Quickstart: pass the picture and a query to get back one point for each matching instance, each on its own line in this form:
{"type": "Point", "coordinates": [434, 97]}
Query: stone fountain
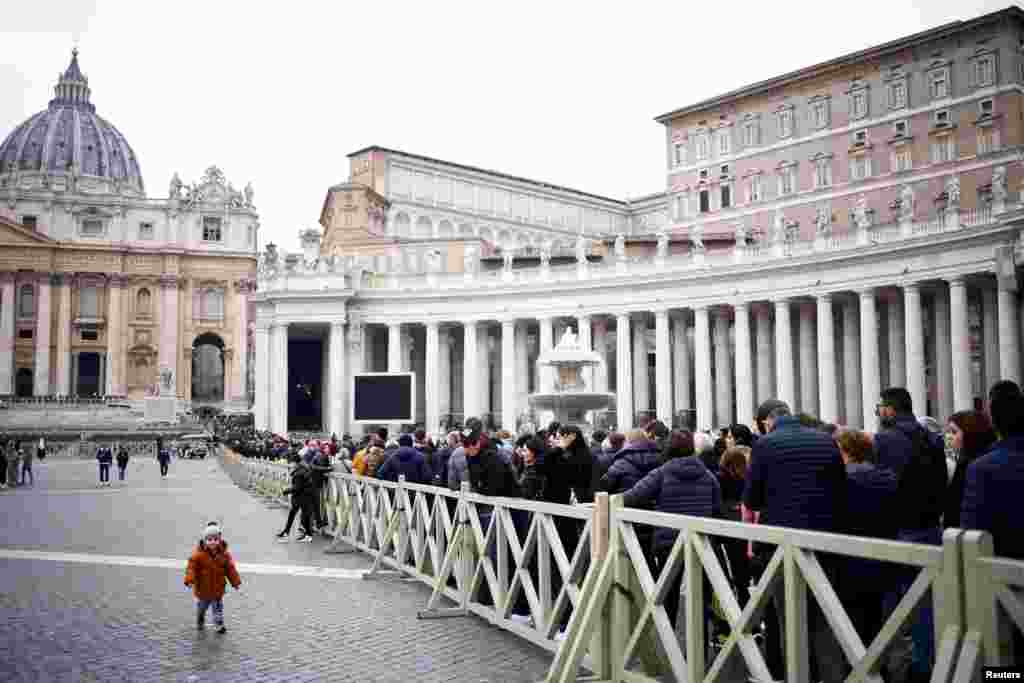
{"type": "Point", "coordinates": [570, 400]}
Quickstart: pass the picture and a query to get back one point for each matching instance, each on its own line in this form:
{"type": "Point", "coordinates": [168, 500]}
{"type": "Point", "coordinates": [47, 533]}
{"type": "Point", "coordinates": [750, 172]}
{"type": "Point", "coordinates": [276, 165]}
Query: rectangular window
{"type": "Point", "coordinates": [859, 105]}
{"type": "Point", "coordinates": [145, 231]}
{"type": "Point", "coordinates": [860, 167]}
{"type": "Point", "coordinates": [29, 222]}
{"type": "Point", "coordinates": [983, 71]}
{"type": "Point", "coordinates": [943, 150]}
{"type": "Point", "coordinates": [92, 227]}
{"type": "Point", "coordinates": [988, 141]}
{"type": "Point", "coordinates": [787, 181]}
{"type": "Point", "coordinates": [938, 84]}
{"type": "Point", "coordinates": [211, 229]}
{"type": "Point", "coordinates": [89, 335]}
{"type": "Point", "coordinates": [986, 108]}
{"type": "Point", "coordinates": [822, 173]}
{"type": "Point", "coordinates": [755, 192]}
{"type": "Point", "coordinates": [901, 129]}
{"type": "Point", "coordinates": [819, 114]}
{"type": "Point", "coordinates": [750, 134]}
{"type": "Point", "coordinates": [785, 123]}
{"type": "Point", "coordinates": [724, 171]}
{"type": "Point", "coordinates": [860, 138]}
{"type": "Point", "coordinates": [726, 196]}
{"type": "Point", "coordinates": [679, 154]}
{"type": "Point", "coordinates": [898, 95]}
{"type": "Point", "coordinates": [705, 201]}
{"type": "Point", "coordinates": [704, 173]}
{"type": "Point", "coordinates": [702, 147]}
{"type": "Point", "coordinates": [24, 334]}
{"type": "Point", "coordinates": [724, 142]}
{"type": "Point", "coordinates": [89, 302]}
{"type": "Point", "coordinates": [941, 118]}
{"type": "Point", "coordinates": [902, 159]}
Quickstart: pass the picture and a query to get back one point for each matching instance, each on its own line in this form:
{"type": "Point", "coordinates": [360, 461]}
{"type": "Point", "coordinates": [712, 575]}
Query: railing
{"type": "Point", "coordinates": [525, 554]}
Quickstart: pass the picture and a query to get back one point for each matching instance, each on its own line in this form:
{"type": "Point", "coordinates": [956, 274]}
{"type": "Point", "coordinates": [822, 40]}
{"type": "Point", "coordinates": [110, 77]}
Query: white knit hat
{"type": "Point", "coordinates": [211, 530]}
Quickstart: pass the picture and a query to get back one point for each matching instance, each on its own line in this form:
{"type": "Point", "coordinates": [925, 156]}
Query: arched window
{"type": "Point", "coordinates": [213, 304]}
{"type": "Point", "coordinates": [89, 303]}
{"type": "Point", "coordinates": [27, 302]}
{"type": "Point", "coordinates": [142, 375]}
{"type": "Point", "coordinates": [142, 302]}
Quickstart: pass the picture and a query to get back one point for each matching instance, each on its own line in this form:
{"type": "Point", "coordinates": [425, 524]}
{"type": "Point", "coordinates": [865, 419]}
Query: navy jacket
{"type": "Point", "coordinates": [796, 478]}
{"type": "Point", "coordinates": [104, 455]}
{"type": "Point", "coordinates": [683, 486]}
{"type": "Point", "coordinates": [994, 482]}
{"type": "Point", "coordinates": [630, 465]}
{"type": "Point", "coordinates": [922, 482]}
{"type": "Point", "coordinates": [872, 505]}
{"type": "Point", "coordinates": [408, 461]}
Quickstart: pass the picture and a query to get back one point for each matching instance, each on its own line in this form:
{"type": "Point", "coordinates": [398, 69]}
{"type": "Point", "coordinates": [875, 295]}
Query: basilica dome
{"type": "Point", "coordinates": [68, 137]}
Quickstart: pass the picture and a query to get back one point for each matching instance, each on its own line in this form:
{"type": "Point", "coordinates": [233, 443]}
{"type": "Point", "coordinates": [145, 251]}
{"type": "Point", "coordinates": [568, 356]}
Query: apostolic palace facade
{"type": "Point", "coordinates": [103, 288]}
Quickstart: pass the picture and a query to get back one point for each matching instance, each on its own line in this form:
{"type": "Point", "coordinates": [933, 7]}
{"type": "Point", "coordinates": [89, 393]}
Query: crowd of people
{"type": "Point", "coordinates": [16, 459]}
{"type": "Point", "coordinates": [907, 481]}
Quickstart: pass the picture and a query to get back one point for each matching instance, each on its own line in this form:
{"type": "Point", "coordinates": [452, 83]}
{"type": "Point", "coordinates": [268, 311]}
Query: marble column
{"type": "Point", "coordinates": [702, 367]}
{"type": "Point", "coordinates": [765, 371]}
{"type": "Point", "coordinates": [744, 365]}
{"type": "Point", "coordinates": [243, 288]}
{"type": "Point", "coordinates": [431, 375]}
{"type": "Point", "coordinates": [784, 354]}
{"type": "Point", "coordinates": [990, 339]}
{"type": "Point", "coordinates": [522, 343]}
{"type": "Point", "coordinates": [624, 373]}
{"type": "Point", "coordinates": [897, 341]}
{"type": "Point", "coordinates": [829, 411]}
{"type": "Point", "coordinates": [641, 382]}
{"type": "Point", "coordinates": [662, 367]}
{"type": "Point", "coordinates": [851, 365]}
{"type": "Point", "coordinates": [545, 373]}
{"type": "Point", "coordinates": [355, 343]}
{"type": "Point", "coordinates": [41, 385]}
{"type": "Point", "coordinates": [169, 326]}
{"type": "Point", "coordinates": [63, 375]}
{"type": "Point", "coordinates": [484, 367]}
{"type": "Point", "coordinates": [808, 361]}
{"type": "Point", "coordinates": [914, 338]}
{"type": "Point", "coordinates": [8, 304]}
{"type": "Point", "coordinates": [116, 382]}
{"type": "Point", "coordinates": [337, 417]}
{"type": "Point", "coordinates": [682, 375]}
{"type": "Point", "coordinates": [600, 342]}
{"type": "Point", "coordinates": [509, 409]}
{"type": "Point", "coordinates": [963, 393]}
{"type": "Point", "coordinates": [1009, 337]}
{"type": "Point", "coordinates": [444, 373]}
{"type": "Point", "coordinates": [261, 404]}
{"type": "Point", "coordinates": [870, 380]}
{"type": "Point", "coordinates": [279, 389]}
{"type": "Point", "coordinates": [470, 371]}
{"type": "Point", "coordinates": [397, 356]}
{"type": "Point", "coordinates": [723, 370]}
{"type": "Point", "coordinates": [943, 357]}
{"type": "Point", "coordinates": [585, 332]}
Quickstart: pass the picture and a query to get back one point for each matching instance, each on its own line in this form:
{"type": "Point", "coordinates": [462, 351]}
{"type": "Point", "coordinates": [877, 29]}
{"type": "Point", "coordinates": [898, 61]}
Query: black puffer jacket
{"type": "Point", "coordinates": [683, 486]}
{"type": "Point", "coordinates": [489, 475]}
{"type": "Point", "coordinates": [631, 464]}
{"type": "Point", "coordinates": [567, 473]}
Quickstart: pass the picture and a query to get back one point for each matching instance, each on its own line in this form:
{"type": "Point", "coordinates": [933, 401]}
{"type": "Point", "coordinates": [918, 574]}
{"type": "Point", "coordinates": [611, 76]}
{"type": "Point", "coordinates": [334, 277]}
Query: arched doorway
{"type": "Point", "coordinates": [23, 383]}
{"type": "Point", "coordinates": [208, 368]}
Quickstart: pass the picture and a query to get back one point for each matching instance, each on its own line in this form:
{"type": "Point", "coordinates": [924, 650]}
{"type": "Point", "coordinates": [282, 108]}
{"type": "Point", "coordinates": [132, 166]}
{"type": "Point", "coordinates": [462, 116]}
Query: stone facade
{"type": "Point", "coordinates": [102, 286]}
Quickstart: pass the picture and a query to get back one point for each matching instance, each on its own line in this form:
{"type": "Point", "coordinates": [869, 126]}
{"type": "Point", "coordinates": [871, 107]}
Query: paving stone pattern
{"type": "Point", "coordinates": [92, 622]}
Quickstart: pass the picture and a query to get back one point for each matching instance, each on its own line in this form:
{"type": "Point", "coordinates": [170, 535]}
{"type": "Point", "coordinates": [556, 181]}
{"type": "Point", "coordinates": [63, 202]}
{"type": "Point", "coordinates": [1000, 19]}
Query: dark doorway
{"type": "Point", "coordinates": [88, 374]}
{"type": "Point", "coordinates": [23, 383]}
{"type": "Point", "coordinates": [305, 374]}
{"type": "Point", "coordinates": [208, 368]}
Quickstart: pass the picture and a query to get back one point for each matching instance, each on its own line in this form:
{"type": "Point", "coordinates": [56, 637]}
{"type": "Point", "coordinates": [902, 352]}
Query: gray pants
{"type": "Point", "coordinates": [218, 611]}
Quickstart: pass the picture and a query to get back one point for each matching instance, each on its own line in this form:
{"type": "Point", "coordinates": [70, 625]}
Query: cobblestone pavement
{"type": "Point", "coordinates": [109, 621]}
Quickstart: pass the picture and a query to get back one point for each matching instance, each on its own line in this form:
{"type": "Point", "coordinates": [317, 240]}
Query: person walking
{"type": "Point", "coordinates": [210, 568]}
{"type": "Point", "coordinates": [25, 475]}
{"type": "Point", "coordinates": [122, 462]}
{"type": "Point", "coordinates": [163, 456]}
{"type": "Point", "coordinates": [13, 463]}
{"type": "Point", "coordinates": [104, 456]}
{"type": "Point", "coordinates": [301, 491]}
{"type": "Point", "coordinates": [321, 469]}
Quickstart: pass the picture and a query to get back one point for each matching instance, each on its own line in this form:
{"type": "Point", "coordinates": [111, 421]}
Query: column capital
{"type": "Point", "coordinates": [825, 297]}
{"type": "Point", "coordinates": [432, 324]}
{"type": "Point", "coordinates": [957, 281]}
{"type": "Point", "coordinates": [117, 281]}
{"type": "Point", "coordinates": [506, 323]}
{"type": "Point", "coordinates": [6, 277]}
{"type": "Point", "coordinates": [338, 325]}
{"type": "Point", "coordinates": [169, 281]}
{"type": "Point", "coordinates": [661, 312]}
{"type": "Point", "coordinates": [58, 279]}
{"type": "Point", "coordinates": [866, 292]}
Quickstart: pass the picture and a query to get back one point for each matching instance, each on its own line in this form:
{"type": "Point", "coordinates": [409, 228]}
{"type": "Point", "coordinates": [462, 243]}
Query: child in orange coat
{"type": "Point", "coordinates": [209, 569]}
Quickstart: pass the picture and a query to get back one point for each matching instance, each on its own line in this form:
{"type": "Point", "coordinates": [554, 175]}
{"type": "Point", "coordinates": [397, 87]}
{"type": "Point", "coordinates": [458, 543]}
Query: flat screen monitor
{"type": "Point", "coordinates": [382, 397]}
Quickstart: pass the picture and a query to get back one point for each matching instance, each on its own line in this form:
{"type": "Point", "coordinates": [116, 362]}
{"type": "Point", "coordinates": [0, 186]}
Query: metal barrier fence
{"type": "Point", "coordinates": [583, 567]}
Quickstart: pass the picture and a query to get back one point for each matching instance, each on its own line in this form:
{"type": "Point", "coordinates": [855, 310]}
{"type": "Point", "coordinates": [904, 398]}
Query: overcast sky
{"type": "Point", "coordinates": [279, 93]}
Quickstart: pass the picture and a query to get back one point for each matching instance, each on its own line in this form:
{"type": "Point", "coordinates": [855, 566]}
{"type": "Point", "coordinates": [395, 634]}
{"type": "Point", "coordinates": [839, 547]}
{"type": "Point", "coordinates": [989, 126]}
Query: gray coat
{"type": "Point", "coordinates": [458, 470]}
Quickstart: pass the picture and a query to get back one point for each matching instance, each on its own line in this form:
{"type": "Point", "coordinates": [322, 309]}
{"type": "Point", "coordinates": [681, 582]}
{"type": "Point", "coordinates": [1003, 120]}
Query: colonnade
{"type": "Point", "coordinates": [825, 353]}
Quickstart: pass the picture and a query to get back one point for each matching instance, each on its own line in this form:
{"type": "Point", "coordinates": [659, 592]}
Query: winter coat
{"type": "Point", "coordinates": [872, 511]}
{"type": "Point", "coordinates": [457, 469]}
{"type": "Point", "coordinates": [569, 473]}
{"type": "Point", "coordinates": [208, 572]}
{"type": "Point", "coordinates": [955, 490]}
{"type": "Point", "coordinates": [796, 478]}
{"type": "Point", "coordinates": [994, 482]}
{"type": "Point", "coordinates": [374, 462]}
{"type": "Point", "coordinates": [409, 462]}
{"type": "Point", "coordinates": [532, 482]}
{"type": "Point", "coordinates": [104, 455]}
{"type": "Point", "coordinates": [301, 483]}
{"type": "Point", "coordinates": [122, 458]}
{"type": "Point", "coordinates": [922, 476]}
{"type": "Point", "coordinates": [490, 475]}
{"type": "Point", "coordinates": [631, 464]}
{"type": "Point", "coordinates": [359, 463]}
{"type": "Point", "coordinates": [682, 486]}
{"type": "Point", "coordinates": [320, 467]}
{"type": "Point", "coordinates": [732, 495]}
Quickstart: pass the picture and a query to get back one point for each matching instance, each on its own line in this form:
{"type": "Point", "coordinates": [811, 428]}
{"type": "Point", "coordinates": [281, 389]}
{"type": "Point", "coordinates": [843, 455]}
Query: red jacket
{"type": "Point", "coordinates": [208, 572]}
